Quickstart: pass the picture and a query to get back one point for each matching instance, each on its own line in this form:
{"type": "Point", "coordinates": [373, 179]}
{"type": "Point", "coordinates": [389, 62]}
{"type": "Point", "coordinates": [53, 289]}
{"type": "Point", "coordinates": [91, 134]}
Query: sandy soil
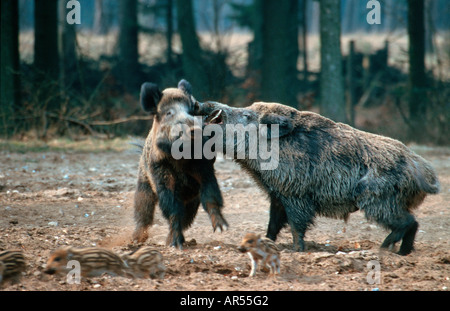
{"type": "Point", "coordinates": [54, 198]}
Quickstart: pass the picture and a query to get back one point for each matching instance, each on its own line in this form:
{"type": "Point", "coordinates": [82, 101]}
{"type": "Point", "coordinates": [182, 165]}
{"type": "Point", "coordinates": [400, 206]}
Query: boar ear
{"type": "Point", "coordinates": [197, 106]}
{"type": "Point", "coordinates": [285, 125]}
{"type": "Point", "coordinates": [150, 97]}
{"type": "Point", "coordinates": [185, 86]}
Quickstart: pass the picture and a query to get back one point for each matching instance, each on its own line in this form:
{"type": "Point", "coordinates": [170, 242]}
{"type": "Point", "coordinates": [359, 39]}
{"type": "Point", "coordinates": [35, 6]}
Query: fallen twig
{"type": "Point", "coordinates": [123, 120]}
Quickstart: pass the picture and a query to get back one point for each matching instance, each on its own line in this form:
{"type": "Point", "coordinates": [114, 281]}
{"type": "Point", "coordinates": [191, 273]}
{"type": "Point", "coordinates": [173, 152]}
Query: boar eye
{"type": "Point", "coordinates": [169, 113]}
{"type": "Point", "coordinates": [250, 241]}
{"type": "Point", "coordinates": [57, 259]}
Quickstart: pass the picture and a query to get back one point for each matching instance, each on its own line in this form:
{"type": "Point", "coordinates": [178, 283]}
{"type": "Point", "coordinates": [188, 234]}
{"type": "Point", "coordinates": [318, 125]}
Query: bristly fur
{"type": "Point", "coordinates": [261, 249]}
{"type": "Point", "coordinates": [93, 261]}
{"type": "Point", "coordinates": [177, 186]}
{"type": "Point", "coordinates": [331, 169]}
{"type": "Point", "coordinates": [145, 262]}
{"type": "Point", "coordinates": [12, 264]}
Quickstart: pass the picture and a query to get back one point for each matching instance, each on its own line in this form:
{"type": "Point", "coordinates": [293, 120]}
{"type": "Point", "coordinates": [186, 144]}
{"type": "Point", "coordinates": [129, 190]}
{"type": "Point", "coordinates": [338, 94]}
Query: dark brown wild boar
{"type": "Point", "coordinates": [178, 185]}
{"type": "Point", "coordinates": [327, 169]}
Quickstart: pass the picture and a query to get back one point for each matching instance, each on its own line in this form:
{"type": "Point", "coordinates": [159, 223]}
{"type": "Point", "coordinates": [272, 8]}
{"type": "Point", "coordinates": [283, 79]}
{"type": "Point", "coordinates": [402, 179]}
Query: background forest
{"type": "Point", "coordinates": [81, 80]}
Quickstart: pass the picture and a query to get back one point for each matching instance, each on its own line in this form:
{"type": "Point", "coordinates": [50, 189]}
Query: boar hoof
{"type": "Point", "coordinates": [175, 240]}
{"type": "Point", "coordinates": [218, 222]}
{"type": "Point", "coordinates": [140, 236]}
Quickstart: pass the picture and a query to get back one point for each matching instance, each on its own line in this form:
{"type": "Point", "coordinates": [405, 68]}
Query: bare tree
{"type": "Point", "coordinates": [417, 75]}
{"type": "Point", "coordinates": [304, 40]}
{"type": "Point", "coordinates": [169, 31]}
{"type": "Point", "coordinates": [127, 43]}
{"type": "Point", "coordinates": [102, 18]}
{"type": "Point", "coordinates": [46, 56]}
{"type": "Point", "coordinates": [332, 96]}
{"type": "Point", "coordinates": [194, 67]}
{"type": "Point", "coordinates": [279, 51]}
{"type": "Point", "coordinates": [10, 82]}
{"type": "Point", "coordinates": [67, 49]}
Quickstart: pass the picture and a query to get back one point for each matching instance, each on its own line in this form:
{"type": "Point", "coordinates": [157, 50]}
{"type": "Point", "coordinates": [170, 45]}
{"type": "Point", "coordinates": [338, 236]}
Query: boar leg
{"type": "Point", "coordinates": [408, 239]}
{"type": "Point", "coordinates": [190, 212]}
{"type": "Point", "coordinates": [144, 208]}
{"type": "Point", "coordinates": [403, 228]}
{"type": "Point", "coordinates": [176, 237]}
{"type": "Point", "coordinates": [211, 197]}
{"type": "Point", "coordinates": [212, 201]}
{"type": "Point", "coordinates": [277, 220]}
{"type": "Point", "coordinates": [300, 215]}
{"type": "Point", "coordinates": [174, 211]}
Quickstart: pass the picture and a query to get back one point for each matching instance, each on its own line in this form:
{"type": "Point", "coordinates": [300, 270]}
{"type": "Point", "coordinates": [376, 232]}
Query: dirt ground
{"type": "Point", "coordinates": [53, 198]}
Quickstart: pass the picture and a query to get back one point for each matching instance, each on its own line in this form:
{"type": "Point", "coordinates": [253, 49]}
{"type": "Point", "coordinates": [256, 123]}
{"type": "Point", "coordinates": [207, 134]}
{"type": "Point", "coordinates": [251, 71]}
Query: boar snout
{"type": "Point", "coordinates": [50, 271]}
{"type": "Point", "coordinates": [242, 249]}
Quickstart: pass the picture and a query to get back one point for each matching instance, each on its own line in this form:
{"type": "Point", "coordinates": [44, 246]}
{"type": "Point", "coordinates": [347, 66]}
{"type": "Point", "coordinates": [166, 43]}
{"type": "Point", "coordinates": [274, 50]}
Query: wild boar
{"type": "Point", "coordinates": [145, 262]}
{"type": "Point", "coordinates": [261, 249]}
{"type": "Point", "coordinates": [93, 261]}
{"type": "Point", "coordinates": [327, 169]}
{"type": "Point", "coordinates": [12, 264]}
{"type": "Point", "coordinates": [178, 185]}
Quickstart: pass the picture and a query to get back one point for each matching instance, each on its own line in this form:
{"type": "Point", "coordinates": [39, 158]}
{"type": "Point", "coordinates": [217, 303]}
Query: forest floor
{"type": "Point", "coordinates": [82, 195]}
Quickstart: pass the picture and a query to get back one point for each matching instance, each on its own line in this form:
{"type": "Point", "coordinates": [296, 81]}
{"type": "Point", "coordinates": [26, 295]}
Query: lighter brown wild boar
{"type": "Point", "coordinates": [12, 264]}
{"type": "Point", "coordinates": [145, 262]}
{"type": "Point", "coordinates": [328, 169]}
{"type": "Point", "coordinates": [93, 261]}
{"type": "Point", "coordinates": [261, 249]}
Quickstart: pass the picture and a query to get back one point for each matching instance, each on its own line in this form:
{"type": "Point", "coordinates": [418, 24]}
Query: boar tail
{"type": "Point", "coordinates": [426, 178]}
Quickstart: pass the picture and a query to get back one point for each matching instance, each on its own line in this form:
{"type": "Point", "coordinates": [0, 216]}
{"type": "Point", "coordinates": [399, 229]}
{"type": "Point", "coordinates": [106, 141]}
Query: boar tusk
{"type": "Point", "coordinates": [216, 116]}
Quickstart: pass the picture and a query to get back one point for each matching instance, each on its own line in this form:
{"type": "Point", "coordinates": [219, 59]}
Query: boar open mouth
{"type": "Point", "coordinates": [216, 117]}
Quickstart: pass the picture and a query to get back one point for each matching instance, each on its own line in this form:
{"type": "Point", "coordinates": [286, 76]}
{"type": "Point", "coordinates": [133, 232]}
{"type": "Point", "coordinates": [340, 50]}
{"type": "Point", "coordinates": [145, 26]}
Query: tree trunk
{"type": "Point", "coordinates": [417, 75]}
{"type": "Point", "coordinates": [169, 32]}
{"type": "Point", "coordinates": [10, 83]}
{"type": "Point", "coordinates": [280, 51]}
{"type": "Point", "coordinates": [304, 42]}
{"type": "Point", "coordinates": [101, 18]}
{"type": "Point", "coordinates": [255, 48]}
{"type": "Point", "coordinates": [194, 69]}
{"type": "Point", "coordinates": [332, 96]}
{"type": "Point", "coordinates": [127, 45]}
{"type": "Point", "coordinates": [46, 56]}
{"type": "Point", "coordinates": [67, 49]}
